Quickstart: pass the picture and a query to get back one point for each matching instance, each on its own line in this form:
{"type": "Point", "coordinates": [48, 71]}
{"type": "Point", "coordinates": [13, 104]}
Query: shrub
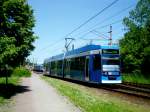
{"type": "Point", "coordinates": [21, 72]}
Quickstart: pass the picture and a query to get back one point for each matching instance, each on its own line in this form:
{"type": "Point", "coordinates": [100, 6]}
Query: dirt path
{"type": "Point", "coordinates": [41, 97]}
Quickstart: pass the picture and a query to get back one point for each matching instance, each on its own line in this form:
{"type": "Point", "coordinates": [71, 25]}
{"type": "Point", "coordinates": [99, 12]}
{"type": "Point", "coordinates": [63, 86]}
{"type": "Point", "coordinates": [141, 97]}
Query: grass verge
{"type": "Point", "coordinates": [12, 81]}
{"type": "Point", "coordinates": [136, 78]}
{"type": "Point", "coordinates": [88, 101]}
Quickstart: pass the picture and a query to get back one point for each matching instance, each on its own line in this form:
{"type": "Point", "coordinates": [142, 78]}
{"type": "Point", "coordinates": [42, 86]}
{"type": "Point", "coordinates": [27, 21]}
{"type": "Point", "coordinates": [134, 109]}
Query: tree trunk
{"type": "Point", "coordinates": [6, 74]}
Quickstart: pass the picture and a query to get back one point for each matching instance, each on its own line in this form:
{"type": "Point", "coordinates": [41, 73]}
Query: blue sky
{"type": "Point", "coordinates": [56, 18]}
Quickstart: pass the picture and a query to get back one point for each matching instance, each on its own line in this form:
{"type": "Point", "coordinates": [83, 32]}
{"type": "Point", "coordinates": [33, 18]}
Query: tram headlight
{"type": "Point", "coordinates": [110, 73]}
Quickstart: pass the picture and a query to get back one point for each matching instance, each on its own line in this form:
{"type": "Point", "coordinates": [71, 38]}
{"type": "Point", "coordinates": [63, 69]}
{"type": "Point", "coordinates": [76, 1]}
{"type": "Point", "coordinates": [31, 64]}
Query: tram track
{"type": "Point", "coordinates": [124, 89]}
{"type": "Point", "coordinates": [136, 88]}
{"type": "Point", "coordinates": [146, 86]}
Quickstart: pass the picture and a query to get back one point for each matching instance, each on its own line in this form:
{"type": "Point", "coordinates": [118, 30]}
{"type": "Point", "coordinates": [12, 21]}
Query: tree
{"type": "Point", "coordinates": [16, 35]}
{"type": "Point", "coordinates": [135, 46]}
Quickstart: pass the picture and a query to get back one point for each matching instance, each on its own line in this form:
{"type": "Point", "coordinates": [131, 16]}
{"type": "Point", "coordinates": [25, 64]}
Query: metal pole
{"type": "Point", "coordinates": [110, 35]}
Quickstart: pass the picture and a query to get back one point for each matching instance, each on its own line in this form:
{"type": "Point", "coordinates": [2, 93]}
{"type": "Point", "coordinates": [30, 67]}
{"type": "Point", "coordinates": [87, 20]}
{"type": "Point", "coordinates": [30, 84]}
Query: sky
{"type": "Point", "coordinates": [56, 18]}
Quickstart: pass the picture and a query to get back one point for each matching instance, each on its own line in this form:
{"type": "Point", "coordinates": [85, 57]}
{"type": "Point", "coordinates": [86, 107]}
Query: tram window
{"type": "Point", "coordinates": [59, 65]}
{"type": "Point", "coordinates": [77, 63]}
{"type": "Point", "coordinates": [81, 63]}
{"type": "Point", "coordinates": [48, 66]}
{"type": "Point", "coordinates": [67, 64]}
{"type": "Point", "coordinates": [111, 62]}
{"type": "Point", "coordinates": [52, 65]}
{"type": "Point", "coordinates": [97, 62]}
{"type": "Point", "coordinates": [74, 64]}
{"type": "Point", "coordinates": [55, 64]}
{"type": "Point", "coordinates": [55, 67]}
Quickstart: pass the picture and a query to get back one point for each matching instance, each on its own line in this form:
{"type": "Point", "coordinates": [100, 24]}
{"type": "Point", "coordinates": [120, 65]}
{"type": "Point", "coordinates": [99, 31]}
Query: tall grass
{"type": "Point", "coordinates": [136, 78]}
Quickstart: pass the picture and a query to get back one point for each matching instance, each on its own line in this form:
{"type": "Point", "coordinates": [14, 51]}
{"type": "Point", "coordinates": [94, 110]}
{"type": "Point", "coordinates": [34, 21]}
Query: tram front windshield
{"type": "Point", "coordinates": [110, 57]}
{"type": "Point", "coordinates": [110, 60]}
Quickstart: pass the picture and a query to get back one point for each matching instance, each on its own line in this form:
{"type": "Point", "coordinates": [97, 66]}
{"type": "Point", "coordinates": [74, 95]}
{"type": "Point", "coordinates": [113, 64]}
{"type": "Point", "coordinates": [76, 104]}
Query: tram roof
{"type": "Point", "coordinates": [81, 50]}
{"type": "Point", "coordinates": [90, 48]}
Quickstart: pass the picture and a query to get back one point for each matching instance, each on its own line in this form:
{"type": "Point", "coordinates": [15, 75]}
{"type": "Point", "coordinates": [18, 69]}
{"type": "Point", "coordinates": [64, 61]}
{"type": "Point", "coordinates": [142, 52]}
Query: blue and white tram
{"type": "Point", "coordinates": [91, 63]}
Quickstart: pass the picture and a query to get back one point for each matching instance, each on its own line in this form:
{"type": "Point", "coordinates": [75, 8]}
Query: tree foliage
{"type": "Point", "coordinates": [16, 35]}
{"type": "Point", "coordinates": [135, 46]}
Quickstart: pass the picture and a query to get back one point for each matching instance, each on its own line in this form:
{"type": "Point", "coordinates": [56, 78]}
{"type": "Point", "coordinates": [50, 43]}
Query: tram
{"type": "Point", "coordinates": [91, 63]}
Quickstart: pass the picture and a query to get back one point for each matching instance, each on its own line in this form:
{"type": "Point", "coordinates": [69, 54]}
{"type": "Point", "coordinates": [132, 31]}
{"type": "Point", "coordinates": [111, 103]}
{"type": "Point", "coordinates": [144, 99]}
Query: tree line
{"type": "Point", "coordinates": [135, 45]}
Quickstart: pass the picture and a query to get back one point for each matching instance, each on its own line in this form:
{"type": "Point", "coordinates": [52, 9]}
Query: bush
{"type": "Point", "coordinates": [136, 78]}
{"type": "Point", "coordinates": [21, 72]}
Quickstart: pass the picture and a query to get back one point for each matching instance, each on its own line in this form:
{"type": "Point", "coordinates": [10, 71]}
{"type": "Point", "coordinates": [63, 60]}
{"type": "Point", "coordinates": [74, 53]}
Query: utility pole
{"type": "Point", "coordinates": [68, 42]}
{"type": "Point", "coordinates": [110, 38]}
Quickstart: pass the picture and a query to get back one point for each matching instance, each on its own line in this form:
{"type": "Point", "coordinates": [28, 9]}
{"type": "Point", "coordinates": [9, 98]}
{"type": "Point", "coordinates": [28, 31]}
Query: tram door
{"type": "Point", "coordinates": [87, 68]}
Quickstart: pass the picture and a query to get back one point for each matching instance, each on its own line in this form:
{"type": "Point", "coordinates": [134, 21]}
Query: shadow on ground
{"type": "Point", "coordinates": [11, 90]}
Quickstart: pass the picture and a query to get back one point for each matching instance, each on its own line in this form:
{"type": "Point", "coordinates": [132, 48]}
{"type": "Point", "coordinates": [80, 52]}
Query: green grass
{"type": "Point", "coordinates": [2, 101]}
{"type": "Point", "coordinates": [136, 78]}
{"type": "Point", "coordinates": [12, 80]}
{"type": "Point", "coordinates": [90, 102]}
